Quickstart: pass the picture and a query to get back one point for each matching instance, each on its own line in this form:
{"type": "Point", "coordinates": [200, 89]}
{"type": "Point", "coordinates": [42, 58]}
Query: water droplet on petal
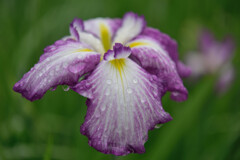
{"type": "Point", "coordinates": [66, 88]}
{"type": "Point", "coordinates": [158, 126]}
{"type": "Point", "coordinates": [107, 92]}
{"type": "Point", "coordinates": [175, 94]}
{"type": "Point", "coordinates": [135, 81]}
{"type": "Point", "coordinates": [97, 114]}
{"type": "Point", "coordinates": [129, 90]}
{"type": "Point", "coordinates": [65, 65]}
{"type": "Point", "coordinates": [155, 92]}
{"type": "Point", "coordinates": [109, 81]}
{"type": "Point", "coordinates": [142, 100]}
{"type": "Point", "coordinates": [126, 127]}
{"type": "Point", "coordinates": [103, 108]}
{"type": "Point", "coordinates": [57, 68]}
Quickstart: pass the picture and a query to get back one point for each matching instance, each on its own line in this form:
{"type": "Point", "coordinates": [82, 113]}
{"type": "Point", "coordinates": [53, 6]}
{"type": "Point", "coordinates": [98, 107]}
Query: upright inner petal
{"type": "Point", "coordinates": [105, 36]}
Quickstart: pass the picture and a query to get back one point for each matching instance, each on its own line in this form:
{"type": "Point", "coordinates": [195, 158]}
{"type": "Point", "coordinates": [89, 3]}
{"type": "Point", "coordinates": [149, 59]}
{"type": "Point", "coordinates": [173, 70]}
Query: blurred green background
{"type": "Point", "coordinates": [206, 126]}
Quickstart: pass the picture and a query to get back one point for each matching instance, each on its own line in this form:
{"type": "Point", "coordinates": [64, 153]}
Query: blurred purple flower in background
{"type": "Point", "coordinates": [213, 57]}
{"type": "Point", "coordinates": [127, 68]}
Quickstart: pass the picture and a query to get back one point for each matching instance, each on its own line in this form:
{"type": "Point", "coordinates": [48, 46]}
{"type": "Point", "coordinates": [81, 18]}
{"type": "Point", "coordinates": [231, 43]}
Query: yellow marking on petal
{"type": "Point", "coordinates": [105, 36]}
{"type": "Point", "coordinates": [135, 44]}
{"type": "Point", "coordinates": [84, 50]}
{"type": "Point", "coordinates": [118, 64]}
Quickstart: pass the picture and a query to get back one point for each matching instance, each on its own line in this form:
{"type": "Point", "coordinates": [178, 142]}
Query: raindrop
{"type": "Point", "coordinates": [64, 65]}
{"type": "Point", "coordinates": [155, 92]}
{"type": "Point", "coordinates": [97, 114]}
{"type": "Point", "coordinates": [175, 94]}
{"type": "Point", "coordinates": [57, 68]}
{"type": "Point", "coordinates": [135, 81]}
{"type": "Point", "coordinates": [109, 81]}
{"type": "Point", "coordinates": [129, 90]}
{"type": "Point", "coordinates": [66, 88]}
{"type": "Point", "coordinates": [158, 126]}
{"type": "Point", "coordinates": [79, 57]}
{"type": "Point", "coordinates": [142, 100]}
{"type": "Point", "coordinates": [107, 92]}
{"type": "Point", "coordinates": [126, 127]}
{"type": "Point", "coordinates": [103, 108]}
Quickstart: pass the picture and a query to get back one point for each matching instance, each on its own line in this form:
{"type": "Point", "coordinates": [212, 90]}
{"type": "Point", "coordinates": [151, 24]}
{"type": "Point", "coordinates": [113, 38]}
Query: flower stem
{"type": "Point", "coordinates": [183, 119]}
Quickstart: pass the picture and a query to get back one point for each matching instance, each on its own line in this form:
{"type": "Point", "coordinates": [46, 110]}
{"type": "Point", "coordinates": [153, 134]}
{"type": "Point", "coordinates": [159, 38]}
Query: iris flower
{"type": "Point", "coordinates": [123, 68]}
{"type": "Point", "coordinates": [213, 57]}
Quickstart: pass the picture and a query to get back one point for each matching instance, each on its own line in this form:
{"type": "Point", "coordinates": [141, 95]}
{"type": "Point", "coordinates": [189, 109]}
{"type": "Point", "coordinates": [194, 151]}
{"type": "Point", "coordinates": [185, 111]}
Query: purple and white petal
{"type": "Point", "coordinates": [99, 25]}
{"type": "Point", "coordinates": [152, 57]}
{"type": "Point", "coordinates": [79, 34]}
{"type": "Point", "coordinates": [109, 55]}
{"type": "Point", "coordinates": [183, 70]}
{"type": "Point", "coordinates": [132, 25]}
{"type": "Point", "coordinates": [124, 103]}
{"type": "Point", "coordinates": [75, 27]}
{"type": "Point", "coordinates": [104, 29]}
{"type": "Point", "coordinates": [62, 63]}
{"type": "Point", "coordinates": [94, 43]}
{"type": "Point", "coordinates": [206, 41]}
{"type": "Point", "coordinates": [170, 46]}
{"type": "Point", "coordinates": [197, 63]}
{"type": "Point", "coordinates": [121, 51]}
{"type": "Point", "coordinates": [228, 47]}
{"type": "Point", "coordinates": [225, 80]}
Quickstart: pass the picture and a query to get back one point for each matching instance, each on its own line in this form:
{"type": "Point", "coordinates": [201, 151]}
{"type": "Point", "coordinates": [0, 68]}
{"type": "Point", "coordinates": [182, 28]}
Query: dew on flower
{"type": "Point", "coordinates": [65, 88]}
{"type": "Point", "coordinates": [107, 93]}
{"type": "Point", "coordinates": [109, 81]}
{"type": "Point", "coordinates": [129, 90]}
{"type": "Point", "coordinates": [103, 108]}
{"type": "Point", "coordinates": [135, 81]}
{"type": "Point", "coordinates": [112, 63]}
{"type": "Point", "coordinates": [158, 126]}
{"type": "Point", "coordinates": [143, 100]}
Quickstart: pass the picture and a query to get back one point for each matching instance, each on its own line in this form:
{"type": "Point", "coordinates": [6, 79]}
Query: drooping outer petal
{"type": "Point", "coordinates": [156, 60]}
{"type": "Point", "coordinates": [124, 103]}
{"type": "Point", "coordinates": [170, 46]}
{"type": "Point", "coordinates": [62, 63]}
